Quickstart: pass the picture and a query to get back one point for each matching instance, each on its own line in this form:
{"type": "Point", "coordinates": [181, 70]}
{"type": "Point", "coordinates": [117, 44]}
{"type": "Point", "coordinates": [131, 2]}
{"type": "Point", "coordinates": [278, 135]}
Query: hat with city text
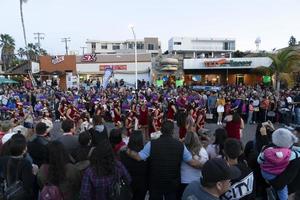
{"type": "Point", "coordinates": [218, 169]}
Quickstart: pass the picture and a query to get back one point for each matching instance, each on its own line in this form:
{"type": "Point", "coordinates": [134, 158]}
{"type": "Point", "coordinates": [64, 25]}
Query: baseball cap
{"type": "Point", "coordinates": [217, 169]}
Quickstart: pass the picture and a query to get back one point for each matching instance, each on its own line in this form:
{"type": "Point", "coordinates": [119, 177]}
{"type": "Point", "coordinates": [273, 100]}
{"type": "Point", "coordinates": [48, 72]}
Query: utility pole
{"type": "Point", "coordinates": [83, 50]}
{"type": "Point", "coordinates": [66, 40]}
{"type": "Point", "coordinates": [39, 36]}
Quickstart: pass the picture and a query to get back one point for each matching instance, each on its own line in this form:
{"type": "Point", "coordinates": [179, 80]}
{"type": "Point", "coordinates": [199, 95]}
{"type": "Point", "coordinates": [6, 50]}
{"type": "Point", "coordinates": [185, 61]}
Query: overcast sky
{"type": "Point", "coordinates": [272, 20]}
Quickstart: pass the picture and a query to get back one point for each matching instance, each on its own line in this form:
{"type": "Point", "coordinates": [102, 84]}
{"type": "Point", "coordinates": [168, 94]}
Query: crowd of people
{"type": "Point", "coordinates": [144, 155]}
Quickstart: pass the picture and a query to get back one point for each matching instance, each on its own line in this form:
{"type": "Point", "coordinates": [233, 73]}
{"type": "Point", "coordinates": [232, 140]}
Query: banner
{"type": "Point", "coordinates": [159, 83]}
{"type": "Point", "coordinates": [179, 83]}
{"type": "Point", "coordinates": [113, 67]}
{"type": "Point", "coordinates": [106, 77]}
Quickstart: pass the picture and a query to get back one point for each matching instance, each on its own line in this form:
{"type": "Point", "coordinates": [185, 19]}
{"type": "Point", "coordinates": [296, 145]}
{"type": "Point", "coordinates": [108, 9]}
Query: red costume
{"type": "Point", "coordinates": [170, 113]}
{"type": "Point", "coordinates": [143, 118]}
{"type": "Point", "coordinates": [117, 118]}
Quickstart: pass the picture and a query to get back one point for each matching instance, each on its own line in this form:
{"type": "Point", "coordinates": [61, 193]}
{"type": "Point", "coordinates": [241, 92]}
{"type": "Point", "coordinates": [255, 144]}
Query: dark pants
{"type": "Point", "coordinates": [159, 195]}
{"type": "Point", "coordinates": [181, 190]}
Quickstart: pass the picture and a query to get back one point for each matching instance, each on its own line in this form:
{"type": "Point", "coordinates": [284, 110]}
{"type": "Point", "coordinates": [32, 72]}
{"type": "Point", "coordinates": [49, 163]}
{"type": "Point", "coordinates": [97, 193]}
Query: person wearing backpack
{"type": "Point", "coordinates": [16, 171]}
{"type": "Point", "coordinates": [59, 176]}
{"type": "Point", "coordinates": [99, 179]}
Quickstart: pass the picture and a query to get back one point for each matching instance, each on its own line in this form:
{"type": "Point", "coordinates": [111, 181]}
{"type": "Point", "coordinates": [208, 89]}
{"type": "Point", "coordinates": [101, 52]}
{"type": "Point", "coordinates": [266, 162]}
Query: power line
{"type": "Point", "coordinates": [66, 40]}
{"type": "Point", "coordinates": [83, 49]}
{"type": "Point", "coordinates": [39, 37]}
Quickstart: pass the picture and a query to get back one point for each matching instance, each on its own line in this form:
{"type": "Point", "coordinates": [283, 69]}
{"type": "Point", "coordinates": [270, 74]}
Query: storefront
{"type": "Point", "coordinates": [224, 70]}
{"type": "Point", "coordinates": [92, 67]}
{"type": "Point", "coordinates": [59, 70]}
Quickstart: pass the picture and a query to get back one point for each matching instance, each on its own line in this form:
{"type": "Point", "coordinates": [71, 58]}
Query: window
{"type": "Point", "coordinates": [140, 46]}
{"type": "Point", "coordinates": [93, 45]}
{"type": "Point", "coordinates": [150, 46]}
{"type": "Point", "coordinates": [130, 46]}
{"type": "Point", "coordinates": [177, 43]}
{"type": "Point", "coordinates": [116, 47]}
{"type": "Point", "coordinates": [104, 46]}
{"type": "Point", "coordinates": [226, 46]}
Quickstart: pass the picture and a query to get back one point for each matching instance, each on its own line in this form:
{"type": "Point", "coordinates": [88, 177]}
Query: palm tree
{"type": "Point", "coordinates": [21, 52]}
{"type": "Point", "coordinates": [284, 62]}
{"type": "Point", "coordinates": [7, 43]}
{"type": "Point", "coordinates": [22, 20]}
{"type": "Point", "coordinates": [32, 51]}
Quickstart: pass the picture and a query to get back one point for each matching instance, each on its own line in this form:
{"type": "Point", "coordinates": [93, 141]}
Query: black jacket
{"type": "Point", "coordinates": [38, 150]}
{"type": "Point", "coordinates": [166, 154]}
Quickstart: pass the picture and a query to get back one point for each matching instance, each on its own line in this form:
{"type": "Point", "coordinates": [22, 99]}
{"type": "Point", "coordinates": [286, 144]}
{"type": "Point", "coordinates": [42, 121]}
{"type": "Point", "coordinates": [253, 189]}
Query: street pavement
{"type": "Point", "coordinates": [248, 132]}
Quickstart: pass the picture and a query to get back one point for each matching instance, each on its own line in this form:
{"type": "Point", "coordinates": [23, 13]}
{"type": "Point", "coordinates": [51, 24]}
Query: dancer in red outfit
{"type": "Point", "coordinates": [171, 111]}
{"type": "Point", "coordinates": [143, 120]}
{"type": "Point", "coordinates": [117, 114]}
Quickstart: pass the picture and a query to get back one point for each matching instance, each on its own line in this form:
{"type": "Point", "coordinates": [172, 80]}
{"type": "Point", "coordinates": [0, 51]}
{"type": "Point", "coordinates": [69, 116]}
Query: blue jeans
{"type": "Point", "coordinates": [297, 116]}
{"type": "Point", "coordinates": [283, 193]}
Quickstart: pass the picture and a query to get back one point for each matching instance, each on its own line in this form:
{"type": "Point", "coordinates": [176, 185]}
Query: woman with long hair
{"type": "Point", "coordinates": [137, 169]}
{"type": "Point", "coordinates": [193, 144]}
{"type": "Point", "coordinates": [234, 126]}
{"type": "Point", "coordinates": [101, 175]}
{"type": "Point", "coordinates": [215, 149]}
{"type": "Point", "coordinates": [60, 172]}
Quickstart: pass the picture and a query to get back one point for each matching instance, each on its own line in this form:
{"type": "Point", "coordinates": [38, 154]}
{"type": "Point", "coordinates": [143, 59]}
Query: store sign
{"type": "Point", "coordinates": [225, 62]}
{"type": "Point", "coordinates": [113, 67]}
{"type": "Point", "coordinates": [89, 58]}
{"type": "Point", "coordinates": [57, 59]}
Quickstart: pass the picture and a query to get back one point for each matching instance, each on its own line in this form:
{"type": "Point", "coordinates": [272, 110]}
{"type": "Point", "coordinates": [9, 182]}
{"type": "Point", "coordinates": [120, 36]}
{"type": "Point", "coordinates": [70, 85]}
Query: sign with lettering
{"type": "Point", "coordinates": [225, 62]}
{"type": "Point", "coordinates": [89, 58]}
{"type": "Point", "coordinates": [113, 67]}
{"type": "Point", "coordinates": [57, 59]}
{"type": "Point", "coordinates": [240, 189]}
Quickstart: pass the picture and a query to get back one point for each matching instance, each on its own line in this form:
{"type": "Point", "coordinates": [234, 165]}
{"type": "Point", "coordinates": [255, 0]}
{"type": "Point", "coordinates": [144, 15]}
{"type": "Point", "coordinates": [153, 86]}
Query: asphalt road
{"type": "Point", "coordinates": [248, 132]}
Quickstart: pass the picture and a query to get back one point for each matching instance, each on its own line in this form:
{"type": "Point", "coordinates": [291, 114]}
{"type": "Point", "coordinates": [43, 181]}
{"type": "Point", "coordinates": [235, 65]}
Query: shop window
{"type": "Point", "coordinates": [140, 46]}
{"type": "Point", "coordinates": [93, 45]}
{"type": "Point", "coordinates": [104, 46]}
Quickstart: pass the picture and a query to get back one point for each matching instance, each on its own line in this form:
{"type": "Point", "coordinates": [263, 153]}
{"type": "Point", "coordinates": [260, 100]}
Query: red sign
{"type": "Point", "coordinates": [89, 58]}
{"type": "Point", "coordinates": [113, 67]}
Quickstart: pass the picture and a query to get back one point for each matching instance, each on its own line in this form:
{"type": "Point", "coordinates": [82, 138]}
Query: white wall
{"type": "Point", "coordinates": [198, 44]}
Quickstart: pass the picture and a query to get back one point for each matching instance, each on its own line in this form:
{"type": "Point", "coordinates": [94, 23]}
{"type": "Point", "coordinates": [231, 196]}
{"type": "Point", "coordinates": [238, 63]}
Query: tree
{"type": "Point", "coordinates": [32, 51]}
{"type": "Point", "coordinates": [292, 41]}
{"type": "Point", "coordinates": [22, 20]}
{"type": "Point", "coordinates": [7, 43]}
{"type": "Point", "coordinates": [21, 52]}
{"type": "Point", "coordinates": [285, 61]}
{"type": "Point", "coordinates": [238, 54]}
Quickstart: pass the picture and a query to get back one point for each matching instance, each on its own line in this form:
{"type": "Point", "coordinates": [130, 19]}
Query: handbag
{"type": "Point", "coordinates": [120, 189]}
{"type": "Point", "coordinates": [15, 190]}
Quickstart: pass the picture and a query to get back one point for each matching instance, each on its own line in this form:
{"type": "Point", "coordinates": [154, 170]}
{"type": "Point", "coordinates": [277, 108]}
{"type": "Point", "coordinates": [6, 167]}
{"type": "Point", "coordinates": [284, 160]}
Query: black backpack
{"type": "Point", "coordinates": [12, 190]}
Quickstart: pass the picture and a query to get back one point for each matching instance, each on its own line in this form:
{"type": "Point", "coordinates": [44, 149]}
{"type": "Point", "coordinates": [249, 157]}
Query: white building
{"type": "Point", "coordinates": [123, 67]}
{"type": "Point", "coordinates": [202, 47]}
{"type": "Point", "coordinates": [147, 45]}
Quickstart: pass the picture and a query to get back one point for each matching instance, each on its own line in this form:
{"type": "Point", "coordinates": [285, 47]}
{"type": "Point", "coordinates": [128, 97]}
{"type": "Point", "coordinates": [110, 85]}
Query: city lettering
{"type": "Point", "coordinates": [240, 189]}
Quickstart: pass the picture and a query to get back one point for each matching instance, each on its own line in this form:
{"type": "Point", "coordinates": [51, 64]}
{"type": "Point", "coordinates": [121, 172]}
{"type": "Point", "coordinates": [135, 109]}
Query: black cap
{"type": "Point", "coordinates": [217, 169]}
{"type": "Point", "coordinates": [41, 128]}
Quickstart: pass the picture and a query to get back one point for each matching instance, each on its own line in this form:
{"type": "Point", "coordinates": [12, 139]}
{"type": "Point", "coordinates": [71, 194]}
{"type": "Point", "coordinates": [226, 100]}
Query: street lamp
{"type": "Point", "coordinates": [135, 55]}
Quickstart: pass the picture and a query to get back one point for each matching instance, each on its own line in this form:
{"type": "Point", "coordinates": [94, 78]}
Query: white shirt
{"type": "Point", "coordinates": [213, 151]}
{"type": "Point", "coordinates": [190, 174]}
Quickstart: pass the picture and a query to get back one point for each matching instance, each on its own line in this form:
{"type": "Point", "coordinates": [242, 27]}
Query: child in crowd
{"type": "Point", "coordinates": [275, 158]}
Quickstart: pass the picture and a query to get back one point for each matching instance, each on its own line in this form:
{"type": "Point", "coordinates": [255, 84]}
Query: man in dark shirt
{"type": "Point", "coordinates": [242, 187]}
{"type": "Point", "coordinates": [37, 148]}
{"type": "Point", "coordinates": [215, 181]}
{"type": "Point", "coordinates": [68, 139]}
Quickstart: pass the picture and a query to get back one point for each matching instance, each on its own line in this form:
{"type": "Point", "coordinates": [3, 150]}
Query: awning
{"type": "Point", "coordinates": [169, 68]}
{"type": "Point", "coordinates": [7, 81]}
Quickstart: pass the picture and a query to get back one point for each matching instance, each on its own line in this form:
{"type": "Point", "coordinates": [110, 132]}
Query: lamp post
{"type": "Point", "coordinates": [135, 55]}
